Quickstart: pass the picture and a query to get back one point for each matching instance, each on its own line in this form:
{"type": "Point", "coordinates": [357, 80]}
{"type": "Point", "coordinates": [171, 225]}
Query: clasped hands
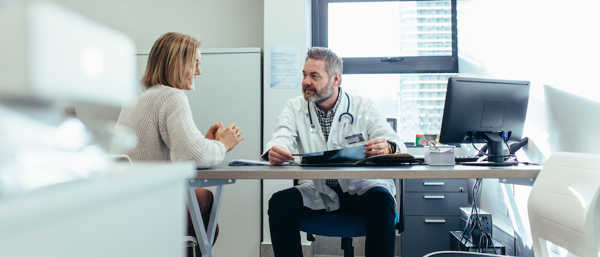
{"type": "Point", "coordinates": [279, 154]}
{"type": "Point", "coordinates": [230, 136]}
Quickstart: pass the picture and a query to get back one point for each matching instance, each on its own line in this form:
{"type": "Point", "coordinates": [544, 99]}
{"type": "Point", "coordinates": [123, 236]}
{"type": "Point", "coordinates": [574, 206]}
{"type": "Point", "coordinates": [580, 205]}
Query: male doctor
{"type": "Point", "coordinates": [327, 118]}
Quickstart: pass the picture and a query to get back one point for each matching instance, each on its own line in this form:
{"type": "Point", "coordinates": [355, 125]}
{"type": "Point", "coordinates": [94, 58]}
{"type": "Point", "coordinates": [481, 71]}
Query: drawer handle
{"type": "Point", "coordinates": [434, 196]}
{"type": "Point", "coordinates": [435, 221]}
{"type": "Point", "coordinates": [433, 183]}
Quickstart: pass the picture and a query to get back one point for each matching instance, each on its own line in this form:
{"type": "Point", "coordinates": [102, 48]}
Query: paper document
{"type": "Point", "coordinates": [243, 162]}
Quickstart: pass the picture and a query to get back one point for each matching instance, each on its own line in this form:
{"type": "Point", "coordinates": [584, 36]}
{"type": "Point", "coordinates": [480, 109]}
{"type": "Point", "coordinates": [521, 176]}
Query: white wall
{"type": "Point", "coordinates": [552, 44]}
{"type": "Point", "coordinates": [214, 100]}
{"type": "Point", "coordinates": [218, 24]}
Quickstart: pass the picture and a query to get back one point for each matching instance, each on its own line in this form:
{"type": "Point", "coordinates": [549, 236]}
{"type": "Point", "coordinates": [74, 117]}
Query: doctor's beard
{"type": "Point", "coordinates": [320, 97]}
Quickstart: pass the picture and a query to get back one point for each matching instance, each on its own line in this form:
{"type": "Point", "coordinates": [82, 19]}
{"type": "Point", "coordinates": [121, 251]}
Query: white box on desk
{"type": "Point", "coordinates": [439, 155]}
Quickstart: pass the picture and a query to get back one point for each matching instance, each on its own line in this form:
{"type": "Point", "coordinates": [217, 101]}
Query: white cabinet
{"type": "Point", "coordinates": [229, 90]}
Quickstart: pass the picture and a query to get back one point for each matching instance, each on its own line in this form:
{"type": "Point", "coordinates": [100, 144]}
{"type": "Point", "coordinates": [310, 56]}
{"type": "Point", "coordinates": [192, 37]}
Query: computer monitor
{"type": "Point", "coordinates": [488, 111]}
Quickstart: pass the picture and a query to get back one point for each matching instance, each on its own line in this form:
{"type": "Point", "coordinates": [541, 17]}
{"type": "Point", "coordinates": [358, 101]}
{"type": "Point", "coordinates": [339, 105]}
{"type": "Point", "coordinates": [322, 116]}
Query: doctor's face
{"type": "Point", "coordinates": [317, 86]}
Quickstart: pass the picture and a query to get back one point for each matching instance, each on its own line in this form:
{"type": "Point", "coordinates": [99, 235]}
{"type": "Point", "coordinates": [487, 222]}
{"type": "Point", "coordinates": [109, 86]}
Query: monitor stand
{"type": "Point", "coordinates": [496, 155]}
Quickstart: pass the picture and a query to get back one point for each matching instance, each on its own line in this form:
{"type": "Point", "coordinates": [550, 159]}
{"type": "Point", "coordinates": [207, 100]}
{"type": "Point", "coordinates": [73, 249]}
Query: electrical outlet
{"type": "Point", "coordinates": [486, 223]}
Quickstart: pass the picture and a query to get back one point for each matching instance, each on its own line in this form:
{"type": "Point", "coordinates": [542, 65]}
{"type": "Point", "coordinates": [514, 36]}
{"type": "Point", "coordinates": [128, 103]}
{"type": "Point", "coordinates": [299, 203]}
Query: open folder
{"type": "Point", "coordinates": [353, 156]}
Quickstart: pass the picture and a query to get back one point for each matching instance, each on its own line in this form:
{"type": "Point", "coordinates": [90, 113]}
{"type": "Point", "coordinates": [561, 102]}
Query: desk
{"type": "Point", "coordinates": [224, 174]}
{"type": "Point", "coordinates": [368, 172]}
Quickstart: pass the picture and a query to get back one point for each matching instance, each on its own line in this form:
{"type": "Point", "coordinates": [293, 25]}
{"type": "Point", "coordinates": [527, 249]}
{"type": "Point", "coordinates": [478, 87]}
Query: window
{"type": "Point", "coordinates": [398, 53]}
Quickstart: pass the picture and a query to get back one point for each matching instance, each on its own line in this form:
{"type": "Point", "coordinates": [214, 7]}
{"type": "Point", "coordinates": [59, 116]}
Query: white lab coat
{"type": "Point", "coordinates": [293, 132]}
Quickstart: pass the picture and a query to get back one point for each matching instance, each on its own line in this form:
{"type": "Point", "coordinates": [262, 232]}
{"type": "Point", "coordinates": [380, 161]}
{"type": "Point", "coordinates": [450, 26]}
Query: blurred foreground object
{"type": "Point", "coordinates": [50, 53]}
{"type": "Point", "coordinates": [52, 58]}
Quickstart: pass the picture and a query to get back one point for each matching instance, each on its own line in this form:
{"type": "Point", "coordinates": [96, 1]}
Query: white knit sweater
{"type": "Point", "coordinates": [162, 120]}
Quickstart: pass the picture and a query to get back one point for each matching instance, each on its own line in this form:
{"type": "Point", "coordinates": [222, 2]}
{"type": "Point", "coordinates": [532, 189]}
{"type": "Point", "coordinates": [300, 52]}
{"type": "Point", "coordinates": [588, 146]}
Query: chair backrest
{"type": "Point", "coordinates": [122, 158]}
{"type": "Point", "coordinates": [347, 225]}
{"type": "Point", "coordinates": [563, 205]}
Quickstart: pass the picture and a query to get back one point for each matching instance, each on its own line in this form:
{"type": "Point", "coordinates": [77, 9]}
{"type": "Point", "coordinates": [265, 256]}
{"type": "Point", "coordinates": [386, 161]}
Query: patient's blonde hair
{"type": "Point", "coordinates": [170, 55]}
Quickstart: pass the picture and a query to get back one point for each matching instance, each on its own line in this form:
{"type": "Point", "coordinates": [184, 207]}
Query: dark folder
{"type": "Point", "coordinates": [353, 156]}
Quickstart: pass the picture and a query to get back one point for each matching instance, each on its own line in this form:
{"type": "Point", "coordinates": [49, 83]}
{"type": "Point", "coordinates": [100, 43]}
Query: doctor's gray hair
{"type": "Point", "coordinates": [333, 63]}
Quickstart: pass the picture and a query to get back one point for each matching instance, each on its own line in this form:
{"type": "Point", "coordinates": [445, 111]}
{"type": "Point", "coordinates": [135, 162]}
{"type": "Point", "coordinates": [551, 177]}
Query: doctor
{"type": "Point", "coordinates": [327, 118]}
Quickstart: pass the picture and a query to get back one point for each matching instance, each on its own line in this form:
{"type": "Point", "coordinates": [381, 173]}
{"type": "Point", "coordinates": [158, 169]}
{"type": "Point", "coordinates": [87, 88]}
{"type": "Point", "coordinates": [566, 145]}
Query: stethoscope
{"type": "Point", "coordinates": [313, 127]}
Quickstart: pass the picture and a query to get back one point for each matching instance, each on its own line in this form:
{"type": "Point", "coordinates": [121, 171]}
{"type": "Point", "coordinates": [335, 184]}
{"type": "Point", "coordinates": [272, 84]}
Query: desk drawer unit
{"type": "Point", "coordinates": [425, 234]}
{"type": "Point", "coordinates": [434, 203]}
{"type": "Point", "coordinates": [431, 210]}
{"type": "Point", "coordinates": [437, 185]}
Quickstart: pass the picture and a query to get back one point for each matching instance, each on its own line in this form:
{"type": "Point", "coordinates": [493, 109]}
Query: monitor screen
{"type": "Point", "coordinates": [488, 111]}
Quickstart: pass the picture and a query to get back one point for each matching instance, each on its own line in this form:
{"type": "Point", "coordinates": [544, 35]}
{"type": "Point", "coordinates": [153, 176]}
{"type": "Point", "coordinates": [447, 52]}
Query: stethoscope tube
{"type": "Point", "coordinates": [313, 128]}
{"type": "Point", "coordinates": [347, 112]}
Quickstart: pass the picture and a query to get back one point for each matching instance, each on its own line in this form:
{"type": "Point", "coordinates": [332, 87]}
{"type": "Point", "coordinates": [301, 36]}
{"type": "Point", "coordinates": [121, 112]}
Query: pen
{"type": "Point", "coordinates": [296, 154]}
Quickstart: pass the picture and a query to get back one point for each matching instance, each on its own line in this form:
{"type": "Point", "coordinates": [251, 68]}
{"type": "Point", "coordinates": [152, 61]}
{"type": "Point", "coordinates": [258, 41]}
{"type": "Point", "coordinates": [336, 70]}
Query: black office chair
{"type": "Point", "coordinates": [346, 226]}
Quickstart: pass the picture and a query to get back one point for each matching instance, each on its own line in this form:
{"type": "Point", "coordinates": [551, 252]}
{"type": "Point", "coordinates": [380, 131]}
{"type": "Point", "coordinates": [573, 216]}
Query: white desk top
{"type": "Point", "coordinates": [368, 172]}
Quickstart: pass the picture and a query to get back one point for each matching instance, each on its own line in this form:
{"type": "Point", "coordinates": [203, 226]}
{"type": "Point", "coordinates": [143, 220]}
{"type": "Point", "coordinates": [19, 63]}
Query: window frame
{"type": "Point", "coordinates": [384, 64]}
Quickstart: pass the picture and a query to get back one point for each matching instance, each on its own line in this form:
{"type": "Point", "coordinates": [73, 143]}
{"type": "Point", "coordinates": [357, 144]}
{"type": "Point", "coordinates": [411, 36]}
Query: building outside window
{"type": "Point", "coordinates": [398, 53]}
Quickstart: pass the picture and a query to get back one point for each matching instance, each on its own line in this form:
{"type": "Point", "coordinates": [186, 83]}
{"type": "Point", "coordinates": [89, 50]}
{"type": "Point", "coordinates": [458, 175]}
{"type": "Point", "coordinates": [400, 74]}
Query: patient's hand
{"type": "Point", "coordinates": [210, 134]}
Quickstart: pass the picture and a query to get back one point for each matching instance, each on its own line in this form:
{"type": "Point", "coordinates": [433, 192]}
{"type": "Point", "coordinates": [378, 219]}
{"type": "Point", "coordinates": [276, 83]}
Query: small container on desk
{"type": "Point", "coordinates": [439, 155]}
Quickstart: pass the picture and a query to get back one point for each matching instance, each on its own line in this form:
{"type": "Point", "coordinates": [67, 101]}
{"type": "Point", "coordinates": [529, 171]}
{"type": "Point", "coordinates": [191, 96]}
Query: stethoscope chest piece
{"type": "Point", "coordinates": [312, 128]}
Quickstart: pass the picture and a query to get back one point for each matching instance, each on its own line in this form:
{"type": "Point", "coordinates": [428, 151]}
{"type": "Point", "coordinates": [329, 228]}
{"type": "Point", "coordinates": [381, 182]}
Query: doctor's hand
{"type": "Point", "coordinates": [377, 146]}
{"type": "Point", "coordinates": [229, 136]}
{"type": "Point", "coordinates": [278, 155]}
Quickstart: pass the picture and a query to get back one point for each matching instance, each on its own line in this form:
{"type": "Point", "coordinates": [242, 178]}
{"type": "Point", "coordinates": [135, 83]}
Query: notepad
{"type": "Point", "coordinates": [245, 162]}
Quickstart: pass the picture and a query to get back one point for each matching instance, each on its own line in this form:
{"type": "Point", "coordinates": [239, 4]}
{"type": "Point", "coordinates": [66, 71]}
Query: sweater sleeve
{"type": "Point", "coordinates": [182, 137]}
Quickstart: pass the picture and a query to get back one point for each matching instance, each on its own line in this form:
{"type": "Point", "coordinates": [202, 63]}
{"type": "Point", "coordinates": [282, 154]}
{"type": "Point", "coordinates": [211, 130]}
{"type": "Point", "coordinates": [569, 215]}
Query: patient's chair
{"type": "Point", "coordinates": [563, 208]}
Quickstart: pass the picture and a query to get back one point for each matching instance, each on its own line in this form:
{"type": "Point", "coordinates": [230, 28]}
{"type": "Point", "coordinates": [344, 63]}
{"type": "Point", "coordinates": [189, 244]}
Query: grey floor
{"type": "Point", "coordinates": [331, 247]}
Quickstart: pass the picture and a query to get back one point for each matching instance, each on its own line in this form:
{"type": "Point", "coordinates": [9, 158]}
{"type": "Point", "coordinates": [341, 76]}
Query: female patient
{"type": "Point", "coordinates": [162, 118]}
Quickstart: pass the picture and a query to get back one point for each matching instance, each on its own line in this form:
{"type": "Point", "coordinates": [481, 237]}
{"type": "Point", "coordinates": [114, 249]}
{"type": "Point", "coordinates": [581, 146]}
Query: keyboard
{"type": "Point", "coordinates": [457, 159]}
{"type": "Point", "coordinates": [467, 158]}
